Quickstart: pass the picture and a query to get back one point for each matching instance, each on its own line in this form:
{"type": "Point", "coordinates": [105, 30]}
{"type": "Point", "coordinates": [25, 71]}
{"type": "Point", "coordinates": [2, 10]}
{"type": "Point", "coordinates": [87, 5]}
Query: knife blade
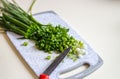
{"type": "Point", "coordinates": [55, 63]}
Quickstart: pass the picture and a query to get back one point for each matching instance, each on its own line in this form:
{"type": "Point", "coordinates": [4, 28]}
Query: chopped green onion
{"type": "Point", "coordinates": [48, 57]}
{"type": "Point", "coordinates": [25, 44]}
{"type": "Point", "coordinates": [46, 37]}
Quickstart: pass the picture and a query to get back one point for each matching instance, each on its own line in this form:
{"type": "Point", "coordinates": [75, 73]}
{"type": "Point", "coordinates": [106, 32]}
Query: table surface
{"type": "Point", "coordinates": [97, 21]}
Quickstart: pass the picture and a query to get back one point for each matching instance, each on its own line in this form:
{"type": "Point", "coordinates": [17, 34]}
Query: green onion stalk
{"type": "Point", "coordinates": [46, 37]}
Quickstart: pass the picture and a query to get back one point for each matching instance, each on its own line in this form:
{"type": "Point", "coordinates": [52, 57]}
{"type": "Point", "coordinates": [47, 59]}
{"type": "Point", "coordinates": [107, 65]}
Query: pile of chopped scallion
{"type": "Point", "coordinates": [46, 37]}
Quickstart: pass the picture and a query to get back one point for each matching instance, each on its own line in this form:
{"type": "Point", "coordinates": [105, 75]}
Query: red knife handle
{"type": "Point", "coordinates": [44, 76]}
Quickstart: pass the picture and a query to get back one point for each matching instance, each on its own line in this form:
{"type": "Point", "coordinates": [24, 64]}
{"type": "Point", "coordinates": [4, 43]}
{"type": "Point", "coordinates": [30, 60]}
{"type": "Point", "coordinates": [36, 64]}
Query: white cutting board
{"type": "Point", "coordinates": [36, 58]}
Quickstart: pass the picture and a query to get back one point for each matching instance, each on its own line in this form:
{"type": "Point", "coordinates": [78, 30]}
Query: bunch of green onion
{"type": "Point", "coordinates": [46, 37]}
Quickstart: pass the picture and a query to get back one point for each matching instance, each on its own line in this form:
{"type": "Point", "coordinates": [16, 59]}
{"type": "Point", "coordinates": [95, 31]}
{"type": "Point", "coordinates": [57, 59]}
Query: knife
{"type": "Point", "coordinates": [56, 62]}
